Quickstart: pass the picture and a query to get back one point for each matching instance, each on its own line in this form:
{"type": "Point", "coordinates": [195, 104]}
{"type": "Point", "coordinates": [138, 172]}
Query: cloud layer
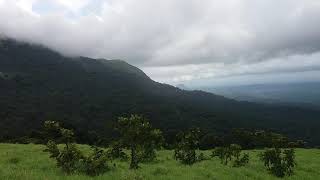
{"type": "Point", "coordinates": [175, 40]}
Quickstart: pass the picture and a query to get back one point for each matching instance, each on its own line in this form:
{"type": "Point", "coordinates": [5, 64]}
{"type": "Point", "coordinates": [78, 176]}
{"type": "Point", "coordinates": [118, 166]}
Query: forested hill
{"type": "Point", "coordinates": [38, 84]}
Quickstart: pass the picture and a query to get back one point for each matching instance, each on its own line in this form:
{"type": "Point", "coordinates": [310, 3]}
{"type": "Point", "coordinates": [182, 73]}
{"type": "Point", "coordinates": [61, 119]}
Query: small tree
{"type": "Point", "coordinates": [148, 151]}
{"type": "Point", "coordinates": [279, 162]}
{"type": "Point", "coordinates": [187, 144]}
{"type": "Point", "coordinates": [70, 159]}
{"type": "Point", "coordinates": [229, 153]}
{"type": "Point", "coordinates": [137, 135]}
{"type": "Point", "coordinates": [67, 158]}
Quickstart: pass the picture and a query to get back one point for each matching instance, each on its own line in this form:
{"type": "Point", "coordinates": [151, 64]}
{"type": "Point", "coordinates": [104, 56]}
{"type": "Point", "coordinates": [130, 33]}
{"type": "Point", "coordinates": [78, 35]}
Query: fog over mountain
{"type": "Point", "coordinates": [191, 42]}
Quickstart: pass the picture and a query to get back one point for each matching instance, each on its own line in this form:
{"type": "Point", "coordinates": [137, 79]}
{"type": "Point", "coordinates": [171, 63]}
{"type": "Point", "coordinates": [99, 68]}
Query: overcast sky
{"type": "Point", "coordinates": [195, 42]}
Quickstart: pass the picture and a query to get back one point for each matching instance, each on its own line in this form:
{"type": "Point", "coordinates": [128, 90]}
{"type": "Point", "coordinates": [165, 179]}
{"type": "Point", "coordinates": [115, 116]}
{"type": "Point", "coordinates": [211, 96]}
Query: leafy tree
{"type": "Point", "coordinates": [229, 153]}
{"type": "Point", "coordinates": [70, 159]}
{"type": "Point", "coordinates": [155, 140]}
{"type": "Point", "coordinates": [137, 135]}
{"type": "Point", "coordinates": [187, 144]}
{"type": "Point", "coordinates": [279, 162]}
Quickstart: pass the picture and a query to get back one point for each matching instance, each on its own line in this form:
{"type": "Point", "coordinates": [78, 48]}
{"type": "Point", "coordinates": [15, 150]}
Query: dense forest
{"type": "Point", "coordinates": [88, 95]}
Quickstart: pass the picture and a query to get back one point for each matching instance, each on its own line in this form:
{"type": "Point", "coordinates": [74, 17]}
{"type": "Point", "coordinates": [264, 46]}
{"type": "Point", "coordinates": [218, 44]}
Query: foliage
{"type": "Point", "coordinates": [67, 158]}
{"type": "Point", "coordinates": [137, 135]}
{"type": "Point", "coordinates": [116, 151]}
{"type": "Point", "coordinates": [279, 162]}
{"type": "Point", "coordinates": [35, 166]}
{"type": "Point", "coordinates": [148, 150]}
{"type": "Point", "coordinates": [249, 139]}
{"type": "Point", "coordinates": [94, 164]}
{"type": "Point", "coordinates": [241, 161]}
{"type": "Point", "coordinates": [70, 159]}
{"type": "Point", "coordinates": [42, 84]}
{"type": "Point", "coordinates": [187, 144]}
{"type": "Point", "coordinates": [229, 153]}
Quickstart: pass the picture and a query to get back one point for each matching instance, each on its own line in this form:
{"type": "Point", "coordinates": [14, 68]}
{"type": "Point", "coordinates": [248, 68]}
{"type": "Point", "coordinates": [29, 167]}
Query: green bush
{"type": "Point", "coordinates": [70, 159]}
{"type": "Point", "coordinates": [241, 161]}
{"type": "Point", "coordinates": [229, 153]}
{"type": "Point", "coordinates": [138, 135]}
{"type": "Point", "coordinates": [94, 164]}
{"type": "Point", "coordinates": [279, 162]}
{"type": "Point", "coordinates": [187, 144]}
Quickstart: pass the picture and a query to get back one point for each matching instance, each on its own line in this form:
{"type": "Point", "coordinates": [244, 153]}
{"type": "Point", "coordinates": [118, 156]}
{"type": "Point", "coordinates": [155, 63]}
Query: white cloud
{"type": "Point", "coordinates": [73, 5]}
{"type": "Point", "coordinates": [175, 40]}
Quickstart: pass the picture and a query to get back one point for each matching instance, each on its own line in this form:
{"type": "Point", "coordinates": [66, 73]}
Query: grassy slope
{"type": "Point", "coordinates": [28, 162]}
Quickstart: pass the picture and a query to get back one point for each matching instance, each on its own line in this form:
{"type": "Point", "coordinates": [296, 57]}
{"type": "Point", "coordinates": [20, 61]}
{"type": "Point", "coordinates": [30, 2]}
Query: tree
{"type": "Point", "coordinates": [70, 159]}
{"type": "Point", "coordinates": [137, 135]}
{"type": "Point", "coordinates": [279, 162]}
{"type": "Point", "coordinates": [187, 144]}
{"type": "Point", "coordinates": [229, 153]}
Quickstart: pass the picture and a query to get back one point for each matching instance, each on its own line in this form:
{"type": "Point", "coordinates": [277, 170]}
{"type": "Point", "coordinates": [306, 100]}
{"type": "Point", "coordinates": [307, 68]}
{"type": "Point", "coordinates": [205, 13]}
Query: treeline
{"type": "Point", "coordinates": [247, 139]}
{"type": "Point", "coordinates": [141, 140]}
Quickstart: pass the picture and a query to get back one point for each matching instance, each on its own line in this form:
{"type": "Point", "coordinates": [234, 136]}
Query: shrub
{"type": "Point", "coordinates": [229, 153]}
{"type": "Point", "coordinates": [241, 161]}
{"type": "Point", "coordinates": [94, 164]}
{"type": "Point", "coordinates": [279, 162]}
{"type": "Point", "coordinates": [116, 152]}
{"type": "Point", "coordinates": [148, 150]}
{"type": "Point", "coordinates": [138, 135]}
{"type": "Point", "coordinates": [187, 144]}
{"type": "Point", "coordinates": [70, 159]}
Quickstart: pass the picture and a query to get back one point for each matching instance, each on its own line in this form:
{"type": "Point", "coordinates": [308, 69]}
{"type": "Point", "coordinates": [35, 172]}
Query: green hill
{"type": "Point", "coordinates": [37, 84]}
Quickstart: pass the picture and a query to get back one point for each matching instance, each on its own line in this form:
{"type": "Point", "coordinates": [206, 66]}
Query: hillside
{"type": "Point", "coordinates": [38, 84]}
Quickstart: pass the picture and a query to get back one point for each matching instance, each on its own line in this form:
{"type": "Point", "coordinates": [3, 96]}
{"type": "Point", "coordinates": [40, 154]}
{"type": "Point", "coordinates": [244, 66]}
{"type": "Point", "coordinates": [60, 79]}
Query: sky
{"type": "Point", "coordinates": [194, 42]}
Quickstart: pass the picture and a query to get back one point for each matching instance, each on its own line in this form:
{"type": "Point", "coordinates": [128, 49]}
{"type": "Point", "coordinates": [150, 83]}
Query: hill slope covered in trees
{"type": "Point", "coordinates": [38, 84]}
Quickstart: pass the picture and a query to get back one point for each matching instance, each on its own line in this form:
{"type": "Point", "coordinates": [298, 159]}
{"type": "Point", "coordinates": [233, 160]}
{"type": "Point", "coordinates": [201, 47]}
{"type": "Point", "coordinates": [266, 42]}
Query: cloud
{"type": "Point", "coordinates": [174, 40]}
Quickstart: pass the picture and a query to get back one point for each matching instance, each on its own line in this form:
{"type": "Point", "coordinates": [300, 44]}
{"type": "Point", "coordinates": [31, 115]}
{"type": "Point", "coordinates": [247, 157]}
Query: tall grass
{"type": "Point", "coordinates": [29, 162]}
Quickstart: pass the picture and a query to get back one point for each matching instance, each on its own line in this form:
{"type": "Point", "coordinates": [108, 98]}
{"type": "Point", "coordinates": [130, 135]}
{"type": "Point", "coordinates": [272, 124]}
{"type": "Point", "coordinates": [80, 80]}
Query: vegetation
{"type": "Point", "coordinates": [187, 144]}
{"type": "Point", "coordinates": [279, 162]}
{"type": "Point", "coordinates": [19, 161]}
{"type": "Point", "coordinates": [88, 95]}
{"type": "Point", "coordinates": [70, 159]}
{"type": "Point", "coordinates": [33, 92]}
{"type": "Point", "coordinates": [116, 151]}
{"type": "Point", "coordinates": [229, 153]}
{"type": "Point", "coordinates": [138, 135]}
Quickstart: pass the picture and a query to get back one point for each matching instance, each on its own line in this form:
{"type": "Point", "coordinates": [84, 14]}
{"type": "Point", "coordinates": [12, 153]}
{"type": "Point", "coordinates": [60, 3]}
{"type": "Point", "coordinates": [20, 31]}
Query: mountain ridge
{"type": "Point", "coordinates": [38, 84]}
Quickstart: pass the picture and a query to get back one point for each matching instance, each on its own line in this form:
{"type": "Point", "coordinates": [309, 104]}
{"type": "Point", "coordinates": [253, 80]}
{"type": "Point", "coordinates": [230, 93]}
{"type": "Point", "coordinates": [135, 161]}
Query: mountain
{"type": "Point", "coordinates": [303, 94]}
{"type": "Point", "coordinates": [38, 84]}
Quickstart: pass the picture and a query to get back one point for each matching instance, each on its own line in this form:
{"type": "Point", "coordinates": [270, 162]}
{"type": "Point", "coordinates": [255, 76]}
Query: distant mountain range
{"type": "Point", "coordinates": [302, 94]}
{"type": "Point", "coordinates": [38, 84]}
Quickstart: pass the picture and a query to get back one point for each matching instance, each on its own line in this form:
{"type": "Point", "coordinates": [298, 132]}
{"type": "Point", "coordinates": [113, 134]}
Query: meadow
{"type": "Point", "coordinates": [29, 162]}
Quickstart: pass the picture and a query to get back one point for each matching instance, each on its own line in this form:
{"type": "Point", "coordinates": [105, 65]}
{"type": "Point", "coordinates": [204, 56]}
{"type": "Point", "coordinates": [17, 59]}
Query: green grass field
{"type": "Point", "coordinates": [29, 162]}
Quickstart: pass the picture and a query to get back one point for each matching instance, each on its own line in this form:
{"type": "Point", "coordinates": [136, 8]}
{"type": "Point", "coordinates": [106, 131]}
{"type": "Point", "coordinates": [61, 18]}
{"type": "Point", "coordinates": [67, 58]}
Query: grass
{"type": "Point", "coordinates": [29, 162]}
